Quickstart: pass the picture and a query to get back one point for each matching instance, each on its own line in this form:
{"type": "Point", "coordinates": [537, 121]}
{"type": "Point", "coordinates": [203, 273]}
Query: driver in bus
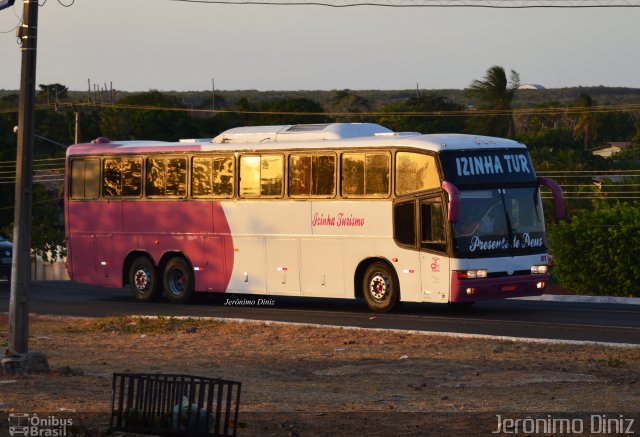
{"type": "Point", "coordinates": [471, 223]}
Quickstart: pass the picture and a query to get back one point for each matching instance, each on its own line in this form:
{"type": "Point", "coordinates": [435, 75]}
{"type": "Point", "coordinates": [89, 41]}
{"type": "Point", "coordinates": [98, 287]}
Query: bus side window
{"type": "Point", "coordinates": [433, 226]}
{"type": "Point", "coordinates": [299, 175]}
{"type": "Point", "coordinates": [365, 174]}
{"type": "Point", "coordinates": [324, 175]}
{"type": "Point", "coordinates": [201, 174]}
{"type": "Point", "coordinates": [249, 176]}
{"type": "Point", "coordinates": [111, 178]}
{"type": "Point", "coordinates": [271, 173]}
{"type": "Point", "coordinates": [415, 172]}
{"type": "Point", "coordinates": [166, 177]}
{"type": "Point", "coordinates": [223, 176]}
{"type": "Point", "coordinates": [85, 178]}
{"type": "Point", "coordinates": [131, 176]}
{"type": "Point", "coordinates": [122, 177]}
{"type": "Point", "coordinates": [404, 223]}
{"type": "Point", "coordinates": [312, 175]}
{"type": "Point", "coordinates": [377, 175]}
{"type": "Point", "coordinates": [212, 176]}
{"type": "Point", "coordinates": [156, 174]}
{"type": "Point", "coordinates": [261, 176]}
{"type": "Point", "coordinates": [352, 174]}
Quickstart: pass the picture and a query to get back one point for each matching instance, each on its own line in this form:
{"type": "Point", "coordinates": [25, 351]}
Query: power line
{"type": "Point", "coordinates": [592, 185]}
{"type": "Point", "coordinates": [597, 197]}
{"type": "Point", "coordinates": [489, 4]}
{"type": "Point", "coordinates": [50, 199]}
{"type": "Point", "coordinates": [459, 113]}
{"type": "Point", "coordinates": [464, 113]}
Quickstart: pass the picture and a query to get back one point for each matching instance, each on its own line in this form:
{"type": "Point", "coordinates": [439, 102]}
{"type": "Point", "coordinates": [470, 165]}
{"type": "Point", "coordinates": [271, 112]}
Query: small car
{"type": "Point", "coordinates": [6, 253]}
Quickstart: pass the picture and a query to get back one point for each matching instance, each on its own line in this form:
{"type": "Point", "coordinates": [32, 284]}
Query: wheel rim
{"type": "Point", "coordinates": [379, 286]}
{"type": "Point", "coordinates": [142, 279]}
{"type": "Point", "coordinates": [176, 281]}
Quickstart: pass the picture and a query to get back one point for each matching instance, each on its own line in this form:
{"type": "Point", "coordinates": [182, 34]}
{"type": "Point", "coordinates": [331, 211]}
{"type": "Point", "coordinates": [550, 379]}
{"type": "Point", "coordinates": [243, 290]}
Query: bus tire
{"type": "Point", "coordinates": [379, 287]}
{"type": "Point", "coordinates": [178, 280]}
{"type": "Point", "coordinates": [143, 279]}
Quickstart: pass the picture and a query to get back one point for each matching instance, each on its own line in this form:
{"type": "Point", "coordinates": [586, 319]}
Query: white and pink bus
{"type": "Point", "coordinates": [342, 210]}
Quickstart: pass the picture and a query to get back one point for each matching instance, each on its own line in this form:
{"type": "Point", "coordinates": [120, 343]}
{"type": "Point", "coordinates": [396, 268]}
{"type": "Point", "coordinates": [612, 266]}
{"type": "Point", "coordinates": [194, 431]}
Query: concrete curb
{"type": "Point", "coordinates": [583, 299]}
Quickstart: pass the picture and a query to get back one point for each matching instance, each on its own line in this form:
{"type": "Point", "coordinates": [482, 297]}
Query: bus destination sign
{"type": "Point", "coordinates": [490, 166]}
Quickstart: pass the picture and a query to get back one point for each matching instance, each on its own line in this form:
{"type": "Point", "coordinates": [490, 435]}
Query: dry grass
{"type": "Point", "coordinates": [297, 370]}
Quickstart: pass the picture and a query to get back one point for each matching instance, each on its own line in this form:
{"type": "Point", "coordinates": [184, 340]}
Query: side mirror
{"type": "Point", "coordinates": [558, 197]}
{"type": "Point", "coordinates": [453, 208]}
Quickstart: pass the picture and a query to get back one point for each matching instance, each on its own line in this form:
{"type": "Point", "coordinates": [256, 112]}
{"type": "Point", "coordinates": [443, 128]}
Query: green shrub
{"type": "Point", "coordinates": [598, 252]}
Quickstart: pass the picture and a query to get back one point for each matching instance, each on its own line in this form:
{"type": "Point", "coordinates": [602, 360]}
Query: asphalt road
{"type": "Point", "coordinates": [612, 323]}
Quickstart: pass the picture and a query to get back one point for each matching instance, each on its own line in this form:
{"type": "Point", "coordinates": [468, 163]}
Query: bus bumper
{"type": "Point", "coordinates": [471, 290]}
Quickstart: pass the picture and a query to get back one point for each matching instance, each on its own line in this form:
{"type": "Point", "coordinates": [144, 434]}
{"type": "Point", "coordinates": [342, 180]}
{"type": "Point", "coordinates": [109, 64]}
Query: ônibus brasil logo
{"type": "Point", "coordinates": [31, 425]}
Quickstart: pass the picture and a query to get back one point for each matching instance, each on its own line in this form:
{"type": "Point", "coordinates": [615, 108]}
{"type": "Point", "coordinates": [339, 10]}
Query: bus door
{"type": "Point", "coordinates": [434, 262]}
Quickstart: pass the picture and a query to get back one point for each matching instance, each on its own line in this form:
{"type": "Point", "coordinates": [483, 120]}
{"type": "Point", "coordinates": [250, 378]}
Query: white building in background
{"type": "Point", "coordinates": [611, 148]}
{"type": "Point", "coordinates": [531, 86]}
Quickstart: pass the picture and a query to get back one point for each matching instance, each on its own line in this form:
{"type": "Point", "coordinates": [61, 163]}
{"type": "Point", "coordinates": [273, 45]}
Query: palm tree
{"type": "Point", "coordinates": [494, 93]}
{"type": "Point", "coordinates": [585, 127]}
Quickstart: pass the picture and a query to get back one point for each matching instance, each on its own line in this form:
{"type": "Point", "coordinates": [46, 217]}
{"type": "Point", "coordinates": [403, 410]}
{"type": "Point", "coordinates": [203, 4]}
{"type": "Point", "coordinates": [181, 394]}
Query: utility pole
{"type": "Point", "coordinates": [21, 267]}
{"type": "Point", "coordinates": [76, 110]}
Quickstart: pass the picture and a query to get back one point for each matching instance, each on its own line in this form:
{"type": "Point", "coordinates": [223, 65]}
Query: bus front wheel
{"type": "Point", "coordinates": [379, 287]}
{"type": "Point", "coordinates": [143, 280]}
{"type": "Point", "coordinates": [178, 280]}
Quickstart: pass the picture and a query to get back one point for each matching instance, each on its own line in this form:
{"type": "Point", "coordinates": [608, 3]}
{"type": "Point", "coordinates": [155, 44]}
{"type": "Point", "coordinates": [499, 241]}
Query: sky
{"type": "Point", "coordinates": [138, 45]}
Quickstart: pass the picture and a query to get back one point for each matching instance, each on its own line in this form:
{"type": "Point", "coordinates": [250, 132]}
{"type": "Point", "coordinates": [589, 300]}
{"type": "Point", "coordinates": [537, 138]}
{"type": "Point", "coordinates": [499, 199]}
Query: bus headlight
{"type": "Point", "coordinates": [472, 274]}
{"type": "Point", "coordinates": [539, 269]}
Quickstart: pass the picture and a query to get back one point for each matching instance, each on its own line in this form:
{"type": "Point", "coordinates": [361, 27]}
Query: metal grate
{"type": "Point", "coordinates": [174, 405]}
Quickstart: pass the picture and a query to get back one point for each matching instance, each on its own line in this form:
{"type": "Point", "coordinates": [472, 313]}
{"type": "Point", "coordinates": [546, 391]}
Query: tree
{"type": "Point", "coordinates": [52, 92]}
{"type": "Point", "coordinates": [8, 144]}
{"type": "Point", "coordinates": [535, 122]}
{"type": "Point", "coordinates": [586, 127]}
{"type": "Point", "coordinates": [54, 126]}
{"type": "Point", "coordinates": [347, 102]}
{"type": "Point", "coordinates": [156, 123]}
{"type": "Point", "coordinates": [628, 158]}
{"type": "Point", "coordinates": [424, 124]}
{"type": "Point", "coordinates": [636, 138]}
{"type": "Point", "coordinates": [495, 92]}
{"type": "Point", "coordinates": [48, 223]}
{"type": "Point", "coordinates": [614, 126]}
{"type": "Point", "coordinates": [9, 101]}
{"type": "Point", "coordinates": [292, 105]}
{"type": "Point", "coordinates": [597, 251]}
{"type": "Point", "coordinates": [557, 139]}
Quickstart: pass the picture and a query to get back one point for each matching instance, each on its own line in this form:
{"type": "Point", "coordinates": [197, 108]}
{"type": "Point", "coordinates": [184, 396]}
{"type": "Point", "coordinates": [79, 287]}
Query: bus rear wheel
{"type": "Point", "coordinates": [178, 280]}
{"type": "Point", "coordinates": [379, 287]}
{"type": "Point", "coordinates": [143, 280]}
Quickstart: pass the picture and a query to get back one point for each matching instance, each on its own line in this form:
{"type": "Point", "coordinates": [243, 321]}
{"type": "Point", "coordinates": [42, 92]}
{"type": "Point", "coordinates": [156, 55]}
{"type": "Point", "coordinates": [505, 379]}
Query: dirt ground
{"type": "Point", "coordinates": [309, 381]}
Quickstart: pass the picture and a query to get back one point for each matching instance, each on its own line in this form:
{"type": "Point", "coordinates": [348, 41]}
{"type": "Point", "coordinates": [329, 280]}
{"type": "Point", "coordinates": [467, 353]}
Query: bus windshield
{"type": "Point", "coordinates": [499, 222]}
